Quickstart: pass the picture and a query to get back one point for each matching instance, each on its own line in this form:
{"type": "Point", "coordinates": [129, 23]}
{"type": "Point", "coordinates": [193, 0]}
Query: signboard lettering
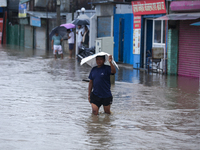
{"type": "Point", "coordinates": [146, 7]}
{"type": "Point", "coordinates": [136, 34]}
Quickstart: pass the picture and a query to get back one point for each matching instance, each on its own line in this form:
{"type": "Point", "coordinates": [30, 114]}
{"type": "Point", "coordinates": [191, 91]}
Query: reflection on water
{"type": "Point", "coordinates": [44, 106]}
{"type": "Point", "coordinates": [99, 132]}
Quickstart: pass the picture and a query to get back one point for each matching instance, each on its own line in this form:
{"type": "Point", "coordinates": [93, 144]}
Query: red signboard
{"type": "Point", "coordinates": [148, 7]}
{"type": "Point", "coordinates": [1, 29]}
{"type": "Point", "coordinates": [137, 22]}
{"type": "Point", "coordinates": [136, 34]}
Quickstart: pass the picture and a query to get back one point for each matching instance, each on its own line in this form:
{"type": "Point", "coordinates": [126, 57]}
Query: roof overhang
{"type": "Point", "coordinates": [108, 2]}
{"type": "Point", "coordinates": [44, 14]}
{"type": "Point", "coordinates": [180, 16]}
{"type": "Point", "coordinates": [24, 1]}
{"type": "Point", "coordinates": [183, 6]}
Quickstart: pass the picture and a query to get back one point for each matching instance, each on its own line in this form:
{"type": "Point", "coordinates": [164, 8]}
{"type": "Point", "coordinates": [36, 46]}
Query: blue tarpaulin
{"type": "Point", "coordinates": [195, 24]}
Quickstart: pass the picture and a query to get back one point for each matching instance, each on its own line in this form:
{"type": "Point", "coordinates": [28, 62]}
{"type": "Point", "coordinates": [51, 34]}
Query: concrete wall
{"type": "Point", "coordinates": [105, 10]}
{"type": "Point", "coordinates": [65, 6]}
{"type": "Point", "coordinates": [123, 9]}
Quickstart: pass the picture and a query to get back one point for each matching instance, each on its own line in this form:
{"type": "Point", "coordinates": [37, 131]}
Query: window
{"type": "Point", "coordinates": [104, 27]}
{"type": "Point", "coordinates": [158, 32]}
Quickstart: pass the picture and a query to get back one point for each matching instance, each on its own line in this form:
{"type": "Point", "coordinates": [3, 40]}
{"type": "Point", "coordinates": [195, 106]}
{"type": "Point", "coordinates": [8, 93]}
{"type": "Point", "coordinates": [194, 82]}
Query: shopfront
{"type": "Point", "coordinates": [184, 28]}
{"type": "Point", "coordinates": [189, 38]}
{"type": "Point", "coordinates": [148, 33]}
{"type": "Point", "coordinates": [189, 49]}
{"type": "Point", "coordinates": [3, 18]}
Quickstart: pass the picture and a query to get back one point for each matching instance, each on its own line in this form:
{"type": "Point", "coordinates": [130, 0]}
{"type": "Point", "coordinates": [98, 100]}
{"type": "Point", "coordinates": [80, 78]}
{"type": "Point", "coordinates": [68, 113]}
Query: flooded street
{"type": "Point", "coordinates": [44, 106]}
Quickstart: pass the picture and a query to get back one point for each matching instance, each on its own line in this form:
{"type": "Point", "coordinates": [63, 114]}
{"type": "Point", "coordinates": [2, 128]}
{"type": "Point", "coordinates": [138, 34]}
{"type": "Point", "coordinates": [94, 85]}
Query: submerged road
{"type": "Point", "coordinates": [44, 106]}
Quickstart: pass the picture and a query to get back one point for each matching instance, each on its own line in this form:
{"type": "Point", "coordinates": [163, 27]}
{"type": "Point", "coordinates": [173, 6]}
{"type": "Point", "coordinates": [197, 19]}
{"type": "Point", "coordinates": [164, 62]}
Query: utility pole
{"type": "Point", "coordinates": [58, 12]}
{"type": "Point", "coordinates": [47, 29]}
{"type": "Point", "coordinates": [72, 9]}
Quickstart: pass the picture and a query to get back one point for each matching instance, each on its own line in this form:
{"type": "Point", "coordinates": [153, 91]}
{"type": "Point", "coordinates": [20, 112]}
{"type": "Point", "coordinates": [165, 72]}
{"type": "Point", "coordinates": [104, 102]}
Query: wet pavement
{"type": "Point", "coordinates": [44, 106]}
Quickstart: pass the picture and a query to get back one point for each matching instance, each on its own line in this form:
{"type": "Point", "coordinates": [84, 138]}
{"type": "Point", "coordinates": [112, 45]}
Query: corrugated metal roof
{"type": "Point", "coordinates": [44, 14]}
{"type": "Point", "coordinates": [180, 16]}
{"type": "Point", "coordinates": [108, 2]}
{"type": "Point", "coordinates": [24, 1]}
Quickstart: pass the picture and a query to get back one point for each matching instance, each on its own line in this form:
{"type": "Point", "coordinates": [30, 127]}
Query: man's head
{"type": "Point", "coordinates": [86, 28]}
{"type": "Point", "coordinates": [68, 30]}
{"type": "Point", "coordinates": [79, 26]}
{"type": "Point", "coordinates": [100, 60]}
{"type": "Point", "coordinates": [56, 33]}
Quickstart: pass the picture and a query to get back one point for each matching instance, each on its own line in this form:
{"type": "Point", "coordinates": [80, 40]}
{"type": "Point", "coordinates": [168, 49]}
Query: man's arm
{"type": "Point", "coordinates": [68, 36]}
{"type": "Point", "coordinates": [90, 89]}
{"type": "Point", "coordinates": [113, 70]}
{"type": "Point", "coordinates": [52, 44]}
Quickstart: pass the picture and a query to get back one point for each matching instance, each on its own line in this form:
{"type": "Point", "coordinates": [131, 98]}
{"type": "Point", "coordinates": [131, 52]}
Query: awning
{"type": "Point", "coordinates": [180, 16]}
{"type": "Point", "coordinates": [183, 6]}
{"type": "Point", "coordinates": [195, 24]}
{"type": "Point", "coordinates": [45, 14]}
{"type": "Point", "coordinates": [24, 1]}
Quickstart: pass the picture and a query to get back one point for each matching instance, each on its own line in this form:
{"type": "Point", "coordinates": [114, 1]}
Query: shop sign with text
{"type": "Point", "coordinates": [3, 3]}
{"type": "Point", "coordinates": [148, 7]}
{"type": "Point", "coordinates": [136, 34]}
{"type": "Point", "coordinates": [34, 21]}
{"type": "Point", "coordinates": [22, 10]}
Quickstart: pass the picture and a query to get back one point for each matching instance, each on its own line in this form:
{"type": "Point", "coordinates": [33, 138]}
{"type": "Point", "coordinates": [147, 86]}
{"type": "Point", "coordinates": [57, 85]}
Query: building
{"type": "Point", "coordinates": [114, 24]}
{"type": "Point", "coordinates": [3, 19]}
{"type": "Point", "coordinates": [149, 34]}
{"type": "Point", "coordinates": [183, 38]}
{"type": "Point", "coordinates": [30, 21]}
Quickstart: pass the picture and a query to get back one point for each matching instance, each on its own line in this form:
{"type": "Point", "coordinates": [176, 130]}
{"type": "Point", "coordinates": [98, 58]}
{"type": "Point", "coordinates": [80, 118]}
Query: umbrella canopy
{"type": "Point", "coordinates": [61, 30]}
{"type": "Point", "coordinates": [68, 25]}
{"type": "Point", "coordinates": [91, 60]}
{"type": "Point", "coordinates": [82, 20]}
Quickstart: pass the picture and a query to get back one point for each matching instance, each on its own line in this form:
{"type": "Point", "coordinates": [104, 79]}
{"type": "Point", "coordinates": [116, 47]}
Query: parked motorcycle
{"type": "Point", "coordinates": [85, 52]}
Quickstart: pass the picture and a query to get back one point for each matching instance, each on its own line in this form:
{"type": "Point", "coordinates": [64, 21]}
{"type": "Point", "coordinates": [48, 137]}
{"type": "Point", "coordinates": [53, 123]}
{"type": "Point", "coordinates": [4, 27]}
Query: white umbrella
{"type": "Point", "coordinates": [91, 60]}
{"type": "Point", "coordinates": [82, 20]}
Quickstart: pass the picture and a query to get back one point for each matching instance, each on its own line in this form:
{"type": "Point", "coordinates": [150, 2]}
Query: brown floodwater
{"type": "Point", "coordinates": [44, 106]}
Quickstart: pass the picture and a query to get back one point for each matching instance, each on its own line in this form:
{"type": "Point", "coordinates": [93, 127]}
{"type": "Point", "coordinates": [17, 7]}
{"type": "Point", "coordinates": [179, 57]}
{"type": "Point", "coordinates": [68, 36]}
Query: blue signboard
{"type": "Point", "coordinates": [34, 21]}
{"type": "Point", "coordinates": [22, 10]}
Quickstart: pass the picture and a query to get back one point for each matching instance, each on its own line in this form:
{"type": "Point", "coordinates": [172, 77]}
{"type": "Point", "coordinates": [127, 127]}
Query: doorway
{"type": "Point", "coordinates": [121, 40]}
{"type": "Point", "coordinates": [148, 35]}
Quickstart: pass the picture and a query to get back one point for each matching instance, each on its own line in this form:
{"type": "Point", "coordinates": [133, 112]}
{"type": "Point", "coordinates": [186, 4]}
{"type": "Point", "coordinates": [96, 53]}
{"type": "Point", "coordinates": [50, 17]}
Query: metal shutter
{"type": "Point", "coordinates": [189, 49]}
{"type": "Point", "coordinates": [28, 37]}
{"type": "Point", "coordinates": [40, 38]}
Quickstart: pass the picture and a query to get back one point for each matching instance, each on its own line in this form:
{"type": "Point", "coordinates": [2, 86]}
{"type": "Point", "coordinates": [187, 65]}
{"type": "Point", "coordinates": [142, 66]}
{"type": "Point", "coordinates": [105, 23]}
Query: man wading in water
{"type": "Point", "coordinates": [99, 86]}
